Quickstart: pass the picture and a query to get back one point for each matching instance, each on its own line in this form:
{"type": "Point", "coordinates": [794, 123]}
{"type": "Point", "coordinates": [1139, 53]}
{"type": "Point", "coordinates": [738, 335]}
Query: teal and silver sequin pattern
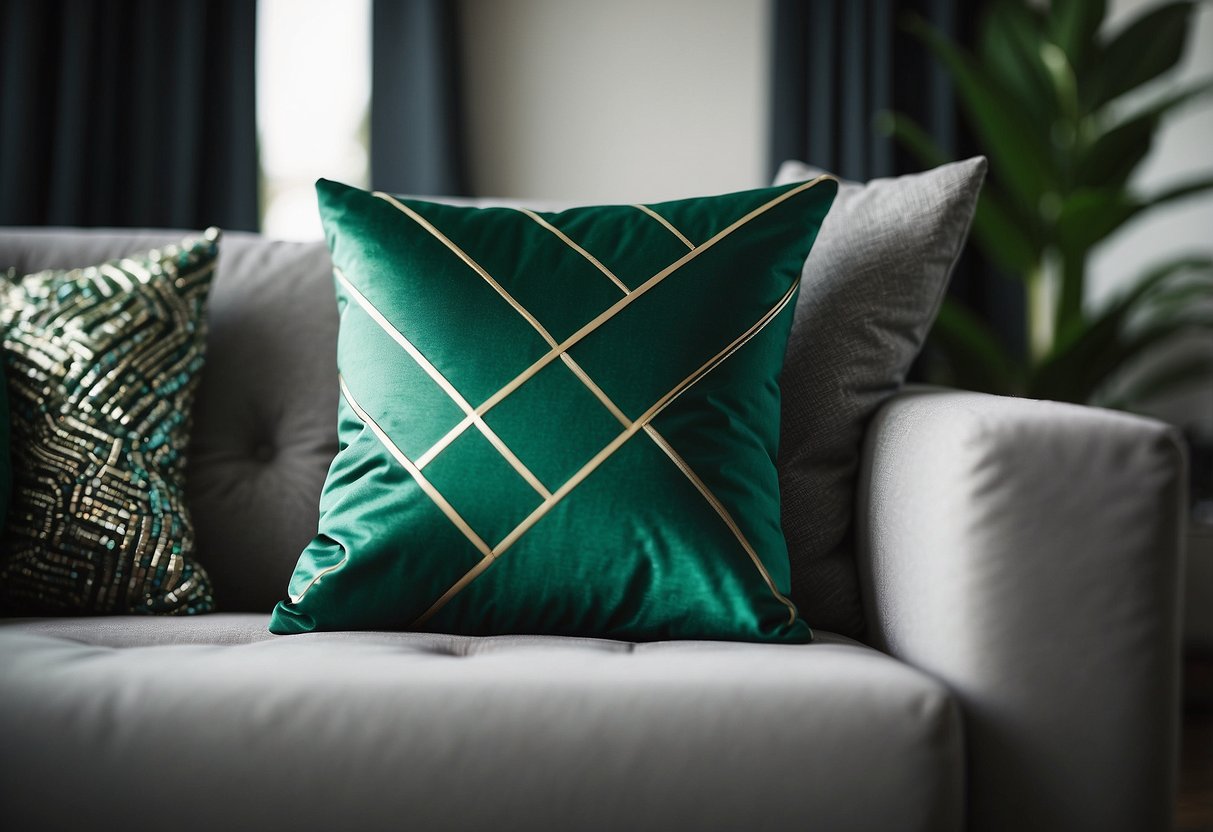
{"type": "Point", "coordinates": [102, 365]}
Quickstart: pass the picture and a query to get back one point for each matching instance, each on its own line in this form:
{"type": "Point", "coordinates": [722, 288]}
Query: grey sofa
{"type": "Point", "coordinates": [1019, 562]}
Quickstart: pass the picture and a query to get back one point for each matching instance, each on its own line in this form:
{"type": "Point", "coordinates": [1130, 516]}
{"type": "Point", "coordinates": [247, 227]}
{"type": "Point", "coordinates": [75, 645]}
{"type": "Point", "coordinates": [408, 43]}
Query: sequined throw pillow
{"type": "Point", "coordinates": [560, 423]}
{"type": "Point", "coordinates": [102, 364]}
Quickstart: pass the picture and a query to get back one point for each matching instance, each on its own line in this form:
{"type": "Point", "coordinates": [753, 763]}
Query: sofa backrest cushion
{"type": "Point", "coordinates": [265, 418]}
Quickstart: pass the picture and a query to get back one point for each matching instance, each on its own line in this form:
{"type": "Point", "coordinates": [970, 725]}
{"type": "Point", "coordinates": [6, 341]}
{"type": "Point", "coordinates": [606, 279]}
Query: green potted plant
{"type": "Point", "coordinates": [1044, 92]}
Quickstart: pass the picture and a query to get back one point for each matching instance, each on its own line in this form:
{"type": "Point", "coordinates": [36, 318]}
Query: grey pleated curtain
{"type": "Point", "coordinates": [417, 144]}
{"type": "Point", "coordinates": [837, 64]}
{"type": "Point", "coordinates": [128, 113]}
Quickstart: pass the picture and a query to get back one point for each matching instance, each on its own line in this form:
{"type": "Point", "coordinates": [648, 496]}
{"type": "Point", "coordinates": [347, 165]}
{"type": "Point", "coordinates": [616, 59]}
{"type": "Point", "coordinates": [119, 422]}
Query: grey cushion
{"type": "Point", "coordinates": [871, 289]}
{"type": "Point", "coordinates": [266, 413]}
{"type": "Point", "coordinates": [413, 731]}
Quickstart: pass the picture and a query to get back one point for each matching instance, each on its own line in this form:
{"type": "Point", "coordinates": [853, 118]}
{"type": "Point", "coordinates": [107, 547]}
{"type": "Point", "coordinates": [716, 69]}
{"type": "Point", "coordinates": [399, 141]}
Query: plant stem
{"type": "Point", "coordinates": [1040, 310]}
{"type": "Point", "coordinates": [1072, 280]}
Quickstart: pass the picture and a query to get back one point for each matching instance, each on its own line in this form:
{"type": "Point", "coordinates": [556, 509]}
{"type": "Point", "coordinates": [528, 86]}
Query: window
{"type": "Point", "coordinates": [313, 97]}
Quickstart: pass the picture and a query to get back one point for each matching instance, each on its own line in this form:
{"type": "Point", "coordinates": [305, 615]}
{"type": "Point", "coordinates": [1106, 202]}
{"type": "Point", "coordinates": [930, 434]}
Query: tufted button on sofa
{"type": "Point", "coordinates": [1019, 563]}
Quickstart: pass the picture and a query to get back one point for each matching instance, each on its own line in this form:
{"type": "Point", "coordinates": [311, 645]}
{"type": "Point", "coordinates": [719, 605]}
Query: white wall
{"type": "Point", "coordinates": [310, 113]}
{"type": "Point", "coordinates": [616, 100]}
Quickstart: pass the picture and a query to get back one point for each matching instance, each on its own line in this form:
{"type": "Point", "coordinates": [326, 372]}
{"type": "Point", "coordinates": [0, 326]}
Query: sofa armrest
{"type": "Point", "coordinates": [1027, 554]}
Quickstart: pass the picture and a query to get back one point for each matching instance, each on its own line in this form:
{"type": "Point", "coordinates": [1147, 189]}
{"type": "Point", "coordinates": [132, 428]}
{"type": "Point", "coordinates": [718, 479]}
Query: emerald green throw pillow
{"type": "Point", "coordinates": [559, 423]}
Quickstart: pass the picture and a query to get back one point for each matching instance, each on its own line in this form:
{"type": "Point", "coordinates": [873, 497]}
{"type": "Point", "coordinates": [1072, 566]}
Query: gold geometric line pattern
{"type": "Point", "coordinates": [463, 255]}
{"type": "Point", "coordinates": [295, 599]}
{"type": "Point", "coordinates": [426, 486]}
{"type": "Point", "coordinates": [594, 261]}
{"type": "Point", "coordinates": [455, 588]}
{"type": "Point", "coordinates": [598, 392]}
{"type": "Point", "coordinates": [602, 456]}
{"type": "Point", "coordinates": [560, 350]}
{"type": "Point", "coordinates": [669, 225]}
{"type": "Point", "coordinates": [581, 374]}
{"type": "Point", "coordinates": [447, 438]}
{"type": "Point", "coordinates": [475, 416]}
{"type": "Point", "coordinates": [441, 380]}
{"type": "Point", "coordinates": [715, 503]}
{"type": "Point", "coordinates": [606, 315]}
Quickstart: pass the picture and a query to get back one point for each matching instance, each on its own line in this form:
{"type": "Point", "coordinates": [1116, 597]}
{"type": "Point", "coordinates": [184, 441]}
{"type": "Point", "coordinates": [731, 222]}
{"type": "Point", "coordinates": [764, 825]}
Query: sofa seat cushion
{"type": "Point", "coordinates": [141, 721]}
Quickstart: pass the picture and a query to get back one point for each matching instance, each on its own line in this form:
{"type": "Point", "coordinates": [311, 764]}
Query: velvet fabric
{"type": "Point", "coordinates": [559, 423]}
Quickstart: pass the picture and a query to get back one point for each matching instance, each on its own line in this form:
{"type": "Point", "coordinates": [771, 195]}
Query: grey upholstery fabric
{"type": "Point", "coordinates": [1027, 554]}
{"type": "Point", "coordinates": [872, 286]}
{"type": "Point", "coordinates": [397, 731]}
{"type": "Point", "coordinates": [266, 414]}
{"type": "Point", "coordinates": [265, 419]}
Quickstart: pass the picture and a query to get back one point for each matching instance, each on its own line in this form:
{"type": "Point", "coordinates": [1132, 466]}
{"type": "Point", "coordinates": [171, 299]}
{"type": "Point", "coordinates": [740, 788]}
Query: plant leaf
{"type": "Point", "coordinates": [1074, 25]}
{"type": "Point", "coordinates": [1115, 314]}
{"type": "Point", "coordinates": [1001, 238]}
{"type": "Point", "coordinates": [1183, 191]}
{"type": "Point", "coordinates": [1178, 373]}
{"type": "Point", "coordinates": [1143, 50]}
{"type": "Point", "coordinates": [1088, 376]}
{"type": "Point", "coordinates": [1155, 277]}
{"type": "Point", "coordinates": [1071, 372]}
{"type": "Point", "coordinates": [974, 356]}
{"type": "Point", "coordinates": [1088, 215]}
{"type": "Point", "coordinates": [997, 234]}
{"type": "Point", "coordinates": [1116, 152]}
{"type": "Point", "coordinates": [1010, 50]}
{"type": "Point", "coordinates": [1005, 127]}
{"type": "Point", "coordinates": [1172, 299]}
{"type": "Point", "coordinates": [911, 135]}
